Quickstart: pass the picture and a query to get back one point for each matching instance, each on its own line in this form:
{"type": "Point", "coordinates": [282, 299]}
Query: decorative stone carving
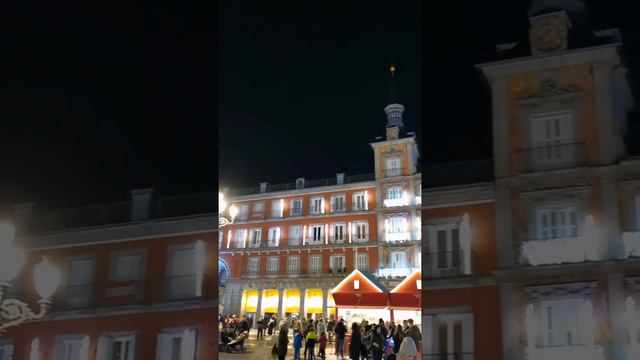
{"type": "Point", "coordinates": [581, 289]}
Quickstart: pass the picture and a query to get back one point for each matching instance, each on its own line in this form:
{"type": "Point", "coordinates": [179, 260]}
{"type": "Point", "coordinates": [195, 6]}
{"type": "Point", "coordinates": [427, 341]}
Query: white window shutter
{"type": "Point", "coordinates": [104, 347]}
{"type": "Point", "coordinates": [587, 323]}
{"type": "Point", "coordinates": [188, 348]}
{"type": "Point", "coordinates": [84, 349]}
{"type": "Point", "coordinates": [465, 243]}
{"type": "Point", "coordinates": [163, 346]}
{"type": "Point", "coordinates": [35, 349]}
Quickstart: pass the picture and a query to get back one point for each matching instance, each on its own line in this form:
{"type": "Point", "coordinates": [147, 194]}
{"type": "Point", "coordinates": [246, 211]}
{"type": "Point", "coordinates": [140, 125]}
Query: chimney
{"type": "Point", "coordinates": [340, 178]}
{"type": "Point", "coordinates": [300, 183]}
{"type": "Point", "coordinates": [141, 204]}
{"type": "Point", "coordinates": [23, 215]}
{"type": "Point", "coordinates": [263, 187]}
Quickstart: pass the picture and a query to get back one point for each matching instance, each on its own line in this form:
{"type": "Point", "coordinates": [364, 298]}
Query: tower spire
{"type": "Point", "coordinates": [394, 110]}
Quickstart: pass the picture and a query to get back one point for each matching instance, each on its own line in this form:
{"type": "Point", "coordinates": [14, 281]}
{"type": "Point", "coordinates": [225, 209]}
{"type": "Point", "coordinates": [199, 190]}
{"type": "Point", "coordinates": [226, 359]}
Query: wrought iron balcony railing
{"type": "Point", "coordinates": [553, 156]}
{"type": "Point", "coordinates": [445, 264]}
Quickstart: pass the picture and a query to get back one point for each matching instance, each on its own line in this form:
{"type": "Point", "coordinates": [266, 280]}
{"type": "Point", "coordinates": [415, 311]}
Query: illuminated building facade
{"type": "Point", "coordinates": [139, 280]}
{"type": "Point", "coordinates": [292, 243]}
{"type": "Point", "coordinates": [540, 259]}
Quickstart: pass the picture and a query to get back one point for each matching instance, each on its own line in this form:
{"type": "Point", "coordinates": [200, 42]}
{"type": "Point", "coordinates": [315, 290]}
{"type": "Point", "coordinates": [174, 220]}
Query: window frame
{"type": "Point", "coordinates": [300, 211]}
{"type": "Point", "coordinates": [313, 203]}
{"type": "Point", "coordinates": [354, 201]}
{"type": "Point", "coordinates": [333, 203]}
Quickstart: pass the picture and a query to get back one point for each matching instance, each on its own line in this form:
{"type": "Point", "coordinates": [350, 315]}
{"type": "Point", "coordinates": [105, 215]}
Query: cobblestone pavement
{"type": "Point", "coordinates": [261, 349]}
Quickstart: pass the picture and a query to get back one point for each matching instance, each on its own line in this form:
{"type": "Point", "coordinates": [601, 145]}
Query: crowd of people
{"type": "Point", "coordinates": [376, 341]}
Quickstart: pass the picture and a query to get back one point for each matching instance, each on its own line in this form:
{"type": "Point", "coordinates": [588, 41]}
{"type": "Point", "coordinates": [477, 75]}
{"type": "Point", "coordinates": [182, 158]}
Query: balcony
{"type": "Point", "coordinates": [571, 352]}
{"type": "Point", "coordinates": [446, 264]}
{"type": "Point", "coordinates": [124, 293]}
{"type": "Point", "coordinates": [631, 243]}
{"type": "Point", "coordinates": [400, 271]}
{"type": "Point", "coordinates": [403, 201]}
{"type": "Point", "coordinates": [390, 172]}
{"type": "Point", "coordinates": [180, 287]}
{"type": "Point", "coordinates": [569, 249]}
{"type": "Point", "coordinates": [80, 296]}
{"type": "Point", "coordinates": [553, 156]}
{"type": "Point", "coordinates": [398, 237]}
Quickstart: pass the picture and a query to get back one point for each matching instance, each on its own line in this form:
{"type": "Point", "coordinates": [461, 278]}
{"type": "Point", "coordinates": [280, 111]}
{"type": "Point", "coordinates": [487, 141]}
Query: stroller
{"type": "Point", "coordinates": [236, 346]}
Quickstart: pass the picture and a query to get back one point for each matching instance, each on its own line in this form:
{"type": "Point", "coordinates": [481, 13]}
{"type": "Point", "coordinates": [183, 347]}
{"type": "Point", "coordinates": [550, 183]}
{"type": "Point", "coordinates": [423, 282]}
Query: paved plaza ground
{"type": "Point", "coordinates": [261, 349]}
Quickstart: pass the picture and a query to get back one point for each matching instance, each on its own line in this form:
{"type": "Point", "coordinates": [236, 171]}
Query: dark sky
{"type": "Point", "coordinates": [94, 102]}
{"type": "Point", "coordinates": [97, 101]}
{"type": "Point", "coordinates": [304, 85]}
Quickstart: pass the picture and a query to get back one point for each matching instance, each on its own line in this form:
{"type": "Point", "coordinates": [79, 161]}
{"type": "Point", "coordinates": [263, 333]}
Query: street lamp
{"type": "Point", "coordinates": [233, 211]}
{"type": "Point", "coordinates": [14, 312]}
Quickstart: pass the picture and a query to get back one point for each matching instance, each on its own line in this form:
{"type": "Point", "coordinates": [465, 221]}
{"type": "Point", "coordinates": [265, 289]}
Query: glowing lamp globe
{"type": "Point", "coordinates": [11, 261]}
{"type": "Point", "coordinates": [7, 232]}
{"type": "Point", "coordinates": [47, 279]}
{"type": "Point", "coordinates": [233, 211]}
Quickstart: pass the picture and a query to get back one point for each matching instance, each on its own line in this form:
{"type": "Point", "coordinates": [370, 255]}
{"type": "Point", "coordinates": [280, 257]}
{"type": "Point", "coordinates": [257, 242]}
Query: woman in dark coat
{"type": "Point", "coordinates": [356, 342]}
{"type": "Point", "coordinates": [283, 342]}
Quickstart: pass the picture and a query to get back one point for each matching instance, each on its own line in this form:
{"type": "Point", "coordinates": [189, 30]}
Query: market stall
{"type": "Point", "coordinates": [405, 299]}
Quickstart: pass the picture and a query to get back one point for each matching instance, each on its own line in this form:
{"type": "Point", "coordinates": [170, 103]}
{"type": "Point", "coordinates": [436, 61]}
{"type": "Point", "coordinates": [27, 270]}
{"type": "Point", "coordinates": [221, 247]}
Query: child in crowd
{"type": "Point", "coordinates": [323, 345]}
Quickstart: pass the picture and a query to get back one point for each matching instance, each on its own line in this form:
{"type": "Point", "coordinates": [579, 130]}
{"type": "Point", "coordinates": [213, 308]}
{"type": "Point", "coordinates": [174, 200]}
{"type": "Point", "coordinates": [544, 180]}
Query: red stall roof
{"type": "Point", "coordinates": [370, 293]}
{"type": "Point", "coordinates": [406, 295]}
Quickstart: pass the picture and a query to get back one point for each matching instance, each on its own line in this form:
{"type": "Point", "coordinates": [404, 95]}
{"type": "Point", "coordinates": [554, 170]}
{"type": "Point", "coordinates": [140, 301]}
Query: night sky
{"type": "Point", "coordinates": [95, 102]}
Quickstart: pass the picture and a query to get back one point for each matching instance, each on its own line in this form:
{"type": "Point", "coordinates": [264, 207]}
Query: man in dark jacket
{"type": "Point", "coordinates": [283, 342]}
{"type": "Point", "coordinates": [377, 342]}
{"type": "Point", "coordinates": [414, 332]}
{"type": "Point", "coordinates": [356, 342]}
{"type": "Point", "coordinates": [341, 330]}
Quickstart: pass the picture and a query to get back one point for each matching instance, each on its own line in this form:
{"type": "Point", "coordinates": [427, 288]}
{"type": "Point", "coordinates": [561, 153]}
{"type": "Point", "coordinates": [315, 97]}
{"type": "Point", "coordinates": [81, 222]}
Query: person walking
{"type": "Point", "coordinates": [283, 342]}
{"type": "Point", "coordinates": [398, 336]}
{"type": "Point", "coordinates": [271, 325]}
{"type": "Point", "coordinates": [323, 346]}
{"type": "Point", "coordinates": [311, 343]}
{"type": "Point", "coordinates": [341, 331]}
{"type": "Point", "coordinates": [377, 342]}
{"type": "Point", "coordinates": [356, 342]}
{"type": "Point", "coordinates": [415, 334]}
{"type": "Point", "coordinates": [297, 344]}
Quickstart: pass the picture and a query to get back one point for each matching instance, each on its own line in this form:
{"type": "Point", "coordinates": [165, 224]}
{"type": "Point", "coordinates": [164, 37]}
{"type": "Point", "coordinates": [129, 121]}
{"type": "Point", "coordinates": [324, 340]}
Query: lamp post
{"type": "Point", "coordinates": [233, 211]}
{"type": "Point", "coordinates": [14, 312]}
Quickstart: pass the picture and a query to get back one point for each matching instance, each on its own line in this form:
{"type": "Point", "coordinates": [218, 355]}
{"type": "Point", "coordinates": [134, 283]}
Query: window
{"type": "Point", "coordinates": [398, 259]}
{"type": "Point", "coordinates": [396, 225]}
{"type": "Point", "coordinates": [80, 283]}
{"type": "Point", "coordinates": [315, 234]}
{"type": "Point", "coordinates": [557, 222]}
{"type": "Point", "coordinates": [176, 345]}
{"type": "Point", "coordinates": [256, 238]}
{"type": "Point", "coordinates": [638, 212]}
{"type": "Point", "coordinates": [359, 202]}
{"type": "Point", "coordinates": [296, 207]}
{"type": "Point", "coordinates": [337, 233]}
{"type": "Point", "coordinates": [254, 266]}
{"type": "Point", "coordinates": [241, 238]}
{"type": "Point", "coordinates": [258, 208]}
{"type": "Point", "coordinates": [447, 246]}
{"type": "Point", "coordinates": [315, 264]}
{"type": "Point", "coordinates": [317, 205]}
{"type": "Point", "coordinates": [273, 265]}
{"type": "Point", "coordinates": [244, 212]}
{"type": "Point", "coordinates": [274, 236]}
{"type": "Point", "coordinates": [293, 265]}
{"type": "Point", "coordinates": [6, 351]}
{"type": "Point", "coordinates": [181, 272]}
{"type": "Point", "coordinates": [393, 166]}
{"type": "Point", "coordinates": [448, 336]}
{"type": "Point", "coordinates": [116, 347]}
{"type": "Point", "coordinates": [552, 139]}
{"type": "Point", "coordinates": [277, 207]}
{"type": "Point", "coordinates": [126, 267]}
{"type": "Point", "coordinates": [337, 263]}
{"type": "Point", "coordinates": [394, 193]}
{"type": "Point", "coordinates": [361, 231]}
{"type": "Point", "coordinates": [362, 262]}
{"type": "Point", "coordinates": [72, 348]}
{"type": "Point", "coordinates": [295, 235]}
{"type": "Point", "coordinates": [561, 322]}
{"type": "Point", "coordinates": [337, 203]}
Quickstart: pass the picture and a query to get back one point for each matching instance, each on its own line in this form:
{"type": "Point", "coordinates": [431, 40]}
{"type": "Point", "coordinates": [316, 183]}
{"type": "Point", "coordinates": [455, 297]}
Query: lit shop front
{"type": "Point", "coordinates": [287, 303]}
{"type": "Point", "coordinates": [405, 299]}
{"type": "Point", "coordinates": [361, 297]}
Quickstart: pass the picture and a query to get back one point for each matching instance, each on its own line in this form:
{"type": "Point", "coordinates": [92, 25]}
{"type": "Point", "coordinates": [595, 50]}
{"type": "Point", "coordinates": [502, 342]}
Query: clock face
{"type": "Point", "coordinates": [548, 34]}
